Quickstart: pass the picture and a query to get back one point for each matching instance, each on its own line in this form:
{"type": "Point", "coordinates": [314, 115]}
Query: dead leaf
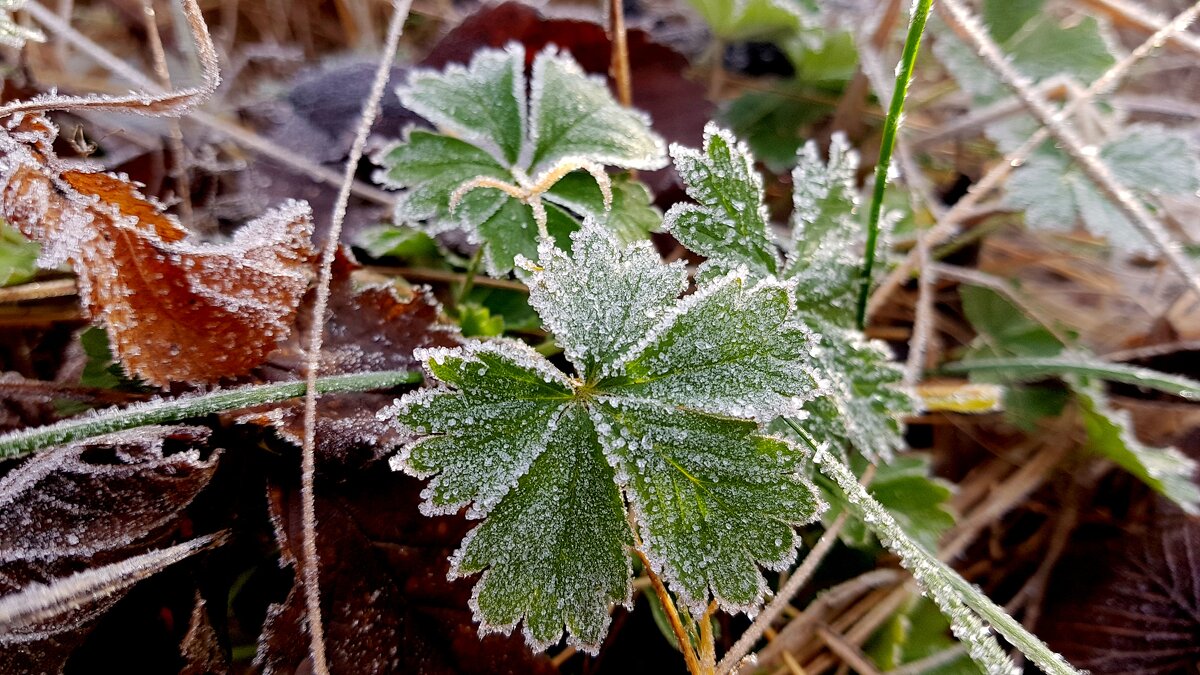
{"type": "Point", "coordinates": [370, 327]}
{"type": "Point", "coordinates": [1135, 606]}
{"type": "Point", "coordinates": [201, 648]}
{"type": "Point", "coordinates": [80, 507]}
{"type": "Point", "coordinates": [175, 310]}
{"type": "Point", "coordinates": [387, 604]}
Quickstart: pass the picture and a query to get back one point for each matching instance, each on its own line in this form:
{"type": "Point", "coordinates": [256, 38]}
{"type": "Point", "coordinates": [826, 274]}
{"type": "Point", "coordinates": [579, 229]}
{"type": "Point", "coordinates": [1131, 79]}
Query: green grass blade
{"type": "Point", "coordinates": [912, 44]}
{"type": "Point", "coordinates": [98, 423]}
{"type": "Point", "coordinates": [1035, 368]}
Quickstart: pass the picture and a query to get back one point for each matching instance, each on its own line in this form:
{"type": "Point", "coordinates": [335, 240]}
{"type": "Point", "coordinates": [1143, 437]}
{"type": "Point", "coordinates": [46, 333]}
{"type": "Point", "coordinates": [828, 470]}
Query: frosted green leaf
{"type": "Point", "coordinates": [864, 403]}
{"type": "Point", "coordinates": [733, 347]}
{"type": "Point", "coordinates": [1110, 433]}
{"type": "Point", "coordinates": [825, 200]}
{"type": "Point", "coordinates": [730, 223]}
{"type": "Point", "coordinates": [511, 232]}
{"type": "Point", "coordinates": [859, 402]}
{"type": "Point", "coordinates": [1040, 49]}
{"type": "Point", "coordinates": [502, 143]}
{"type": "Point", "coordinates": [573, 116]}
{"type": "Point", "coordinates": [487, 434]}
{"type": "Point", "coordinates": [555, 553]}
{"type": "Point", "coordinates": [1056, 195]}
{"type": "Point", "coordinates": [713, 498]}
{"type": "Point", "coordinates": [13, 34]}
{"type": "Point", "coordinates": [737, 20]}
{"type": "Point", "coordinates": [632, 215]}
{"type": "Point", "coordinates": [432, 166]}
{"type": "Point", "coordinates": [549, 460]}
{"type": "Point", "coordinates": [603, 298]}
{"type": "Point", "coordinates": [483, 103]}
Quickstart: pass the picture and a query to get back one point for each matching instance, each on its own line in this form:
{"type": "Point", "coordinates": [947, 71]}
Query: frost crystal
{"type": "Point", "coordinates": [858, 402]}
{"type": "Point", "coordinates": [651, 418]}
{"type": "Point", "coordinates": [499, 152]}
{"type": "Point", "coordinates": [13, 34]}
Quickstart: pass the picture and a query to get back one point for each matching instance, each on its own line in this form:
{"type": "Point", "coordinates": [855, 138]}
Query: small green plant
{"type": "Point", "coordinates": [513, 159]}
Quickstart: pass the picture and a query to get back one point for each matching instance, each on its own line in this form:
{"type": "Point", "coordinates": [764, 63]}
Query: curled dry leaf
{"type": "Point", "coordinates": [388, 605]}
{"type": "Point", "coordinates": [369, 327]}
{"type": "Point", "coordinates": [83, 506]}
{"type": "Point", "coordinates": [174, 309]}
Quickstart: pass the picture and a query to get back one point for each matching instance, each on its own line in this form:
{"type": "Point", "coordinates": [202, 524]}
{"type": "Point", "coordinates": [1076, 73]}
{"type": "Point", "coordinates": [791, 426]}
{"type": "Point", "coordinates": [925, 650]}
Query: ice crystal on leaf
{"type": "Point", "coordinates": [505, 163]}
{"type": "Point", "coordinates": [659, 413]}
{"type": "Point", "coordinates": [13, 34]}
{"type": "Point", "coordinates": [861, 404]}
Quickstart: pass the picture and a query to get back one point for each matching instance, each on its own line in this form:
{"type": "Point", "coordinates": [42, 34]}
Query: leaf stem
{"type": "Point", "coordinates": [685, 645]}
{"type": "Point", "coordinates": [91, 425]}
{"type": "Point", "coordinates": [468, 281]}
{"type": "Point", "coordinates": [912, 44]}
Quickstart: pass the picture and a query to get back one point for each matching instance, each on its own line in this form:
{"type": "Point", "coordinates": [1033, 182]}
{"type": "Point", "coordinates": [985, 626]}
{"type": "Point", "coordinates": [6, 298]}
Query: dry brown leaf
{"type": "Point", "coordinates": [388, 605]}
{"type": "Point", "coordinates": [175, 310]}
{"type": "Point", "coordinates": [80, 507]}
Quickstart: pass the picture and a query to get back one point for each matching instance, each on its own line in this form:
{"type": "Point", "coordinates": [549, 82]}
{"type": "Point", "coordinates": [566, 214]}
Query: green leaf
{"type": "Point", "coordinates": [483, 103]}
{"type": "Point", "coordinates": [825, 201]}
{"type": "Point", "coordinates": [1082, 364]}
{"type": "Point", "coordinates": [1110, 433]}
{"type": "Point", "coordinates": [730, 223]}
{"type": "Point", "coordinates": [432, 167]}
{"type": "Point", "coordinates": [632, 215]}
{"type": "Point", "coordinates": [568, 506]}
{"type": "Point", "coordinates": [715, 500]}
{"type": "Point", "coordinates": [604, 298]}
{"type": "Point", "coordinates": [1056, 195]}
{"type": "Point", "coordinates": [732, 348]}
{"type": "Point", "coordinates": [501, 143]}
{"type": "Point", "coordinates": [772, 122]}
{"type": "Point", "coordinates": [407, 243]}
{"type": "Point", "coordinates": [736, 20]}
{"type": "Point", "coordinates": [863, 404]}
{"type": "Point", "coordinates": [918, 631]}
{"type": "Point", "coordinates": [475, 320]}
{"type": "Point", "coordinates": [489, 432]}
{"type": "Point", "coordinates": [18, 256]}
{"type": "Point", "coordinates": [102, 369]}
{"type": "Point", "coordinates": [859, 403]}
{"type": "Point", "coordinates": [1005, 17]}
{"type": "Point", "coordinates": [1004, 328]}
{"type": "Point", "coordinates": [574, 116]}
{"type": "Point", "coordinates": [515, 441]}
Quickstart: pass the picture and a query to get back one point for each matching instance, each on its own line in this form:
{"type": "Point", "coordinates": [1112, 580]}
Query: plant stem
{"type": "Point", "coordinates": [468, 281]}
{"type": "Point", "coordinates": [936, 578]}
{"type": "Point", "coordinates": [620, 52]}
{"type": "Point", "coordinates": [708, 646]}
{"type": "Point", "coordinates": [310, 558]}
{"type": "Point", "coordinates": [685, 645]}
{"type": "Point", "coordinates": [27, 441]}
{"type": "Point", "coordinates": [912, 44]}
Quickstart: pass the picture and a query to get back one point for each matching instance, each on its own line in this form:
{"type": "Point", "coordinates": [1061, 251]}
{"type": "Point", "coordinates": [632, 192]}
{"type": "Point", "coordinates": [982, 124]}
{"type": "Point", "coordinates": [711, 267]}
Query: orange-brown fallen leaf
{"type": "Point", "coordinates": [175, 310]}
